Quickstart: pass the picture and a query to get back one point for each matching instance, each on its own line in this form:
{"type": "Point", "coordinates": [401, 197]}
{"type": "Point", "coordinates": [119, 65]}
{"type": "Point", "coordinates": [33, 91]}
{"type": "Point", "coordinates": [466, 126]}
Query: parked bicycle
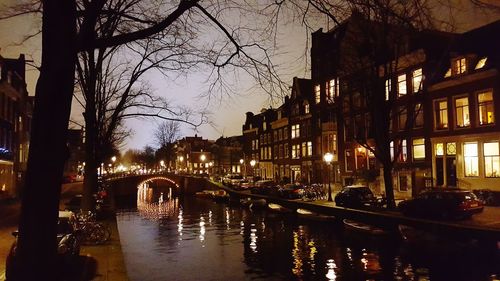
{"type": "Point", "coordinates": [91, 231]}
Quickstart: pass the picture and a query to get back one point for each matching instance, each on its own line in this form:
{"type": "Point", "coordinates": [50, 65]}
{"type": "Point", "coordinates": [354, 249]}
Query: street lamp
{"type": "Point", "coordinates": [252, 163]}
{"type": "Point", "coordinates": [241, 167]}
{"type": "Point", "coordinates": [328, 157]}
{"type": "Point", "coordinates": [202, 158]}
{"type": "Point", "coordinates": [113, 159]}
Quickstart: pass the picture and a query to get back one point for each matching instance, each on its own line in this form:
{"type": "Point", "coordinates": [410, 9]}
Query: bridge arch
{"type": "Point", "coordinates": [151, 179]}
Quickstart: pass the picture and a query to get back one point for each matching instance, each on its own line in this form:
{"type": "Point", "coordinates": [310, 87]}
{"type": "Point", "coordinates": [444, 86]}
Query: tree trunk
{"type": "Point", "coordinates": [389, 188]}
{"type": "Point", "coordinates": [37, 242]}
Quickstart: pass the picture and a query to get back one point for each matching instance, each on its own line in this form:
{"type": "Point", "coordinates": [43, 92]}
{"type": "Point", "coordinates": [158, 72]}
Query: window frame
{"type": "Point", "coordinates": [402, 83]}
{"type": "Point", "coordinates": [474, 158]}
{"type": "Point", "coordinates": [420, 81]}
{"type": "Point", "coordinates": [455, 111]}
{"type": "Point", "coordinates": [492, 158]}
{"type": "Point", "coordinates": [437, 110]}
{"type": "Point", "coordinates": [482, 103]}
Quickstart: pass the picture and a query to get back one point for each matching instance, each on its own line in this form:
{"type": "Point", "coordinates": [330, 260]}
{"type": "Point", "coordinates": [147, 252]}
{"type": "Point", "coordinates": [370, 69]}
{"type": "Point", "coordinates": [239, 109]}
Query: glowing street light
{"type": "Point", "coordinates": [328, 157]}
{"type": "Point", "coordinates": [203, 158]}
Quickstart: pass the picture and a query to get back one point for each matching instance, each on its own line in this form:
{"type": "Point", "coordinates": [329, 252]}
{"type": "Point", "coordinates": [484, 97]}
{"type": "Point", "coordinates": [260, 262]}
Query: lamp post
{"type": "Point", "coordinates": [203, 158]}
{"type": "Point", "coordinates": [328, 157]}
{"type": "Point", "coordinates": [162, 165]}
{"type": "Point", "coordinates": [252, 163]}
{"type": "Point", "coordinates": [113, 159]}
{"type": "Point", "coordinates": [241, 165]}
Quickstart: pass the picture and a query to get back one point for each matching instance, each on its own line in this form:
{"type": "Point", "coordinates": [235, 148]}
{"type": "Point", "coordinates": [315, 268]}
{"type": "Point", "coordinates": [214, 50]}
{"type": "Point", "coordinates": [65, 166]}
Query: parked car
{"type": "Point", "coordinates": [232, 180]}
{"type": "Point", "coordinates": [68, 239]}
{"type": "Point", "coordinates": [292, 191]}
{"type": "Point", "coordinates": [355, 196]}
{"type": "Point", "coordinates": [263, 187]}
{"type": "Point", "coordinates": [444, 203]}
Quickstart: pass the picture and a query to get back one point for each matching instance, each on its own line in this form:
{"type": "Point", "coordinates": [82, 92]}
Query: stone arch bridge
{"type": "Point", "coordinates": [182, 184]}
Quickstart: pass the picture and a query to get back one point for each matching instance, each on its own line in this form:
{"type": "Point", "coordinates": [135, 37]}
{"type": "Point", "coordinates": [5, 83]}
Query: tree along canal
{"type": "Point", "coordinates": [169, 238]}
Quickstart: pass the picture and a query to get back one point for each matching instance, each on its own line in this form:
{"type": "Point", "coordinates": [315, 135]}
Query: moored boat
{"type": "Point", "coordinates": [204, 194]}
{"type": "Point", "coordinates": [253, 203]}
{"type": "Point", "coordinates": [220, 196]}
{"type": "Point", "coordinates": [308, 214]}
{"type": "Point", "coordinates": [363, 227]}
{"type": "Point", "coordinates": [278, 208]}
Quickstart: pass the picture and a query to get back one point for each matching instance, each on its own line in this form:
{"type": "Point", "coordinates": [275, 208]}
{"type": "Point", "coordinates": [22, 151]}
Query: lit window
{"type": "Point", "coordinates": [404, 151]}
{"type": "Point", "coordinates": [462, 112]}
{"type": "Point", "coordinates": [460, 66]}
{"type": "Point", "coordinates": [332, 90]}
{"type": "Point", "coordinates": [471, 162]}
{"type": "Point", "coordinates": [387, 89]}
{"type": "Point", "coordinates": [304, 149]}
{"type": "Point", "coordinates": [485, 108]}
{"type": "Point", "coordinates": [306, 108]}
{"type": "Point", "coordinates": [317, 93]}
{"type": "Point", "coordinates": [402, 85]}
{"type": "Point", "coordinates": [448, 73]}
{"type": "Point", "coordinates": [451, 148]}
{"type": "Point", "coordinates": [419, 149]}
{"type": "Point", "coordinates": [491, 160]}
{"type": "Point", "coordinates": [295, 131]}
{"type": "Point", "coordinates": [481, 63]}
{"type": "Point", "coordinates": [419, 115]}
{"type": "Point", "coordinates": [309, 148]}
{"type": "Point", "coordinates": [439, 149]}
{"type": "Point", "coordinates": [295, 151]}
{"type": "Point", "coordinates": [417, 80]}
{"type": "Point", "coordinates": [391, 149]}
{"type": "Point", "coordinates": [441, 114]}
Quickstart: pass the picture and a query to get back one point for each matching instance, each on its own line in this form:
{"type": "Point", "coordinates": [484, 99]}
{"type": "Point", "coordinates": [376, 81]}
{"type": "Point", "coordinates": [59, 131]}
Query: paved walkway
{"type": "Point", "coordinates": [98, 263]}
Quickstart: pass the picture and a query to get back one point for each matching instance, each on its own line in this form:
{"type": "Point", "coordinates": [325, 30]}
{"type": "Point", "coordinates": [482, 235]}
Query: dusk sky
{"type": "Point", "coordinates": [228, 113]}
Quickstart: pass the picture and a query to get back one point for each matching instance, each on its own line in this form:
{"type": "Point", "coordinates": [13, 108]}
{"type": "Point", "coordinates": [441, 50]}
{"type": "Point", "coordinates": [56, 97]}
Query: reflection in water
{"type": "Point", "coordinates": [330, 264]}
{"type": "Point", "coordinates": [149, 208]}
{"type": "Point", "coordinates": [202, 229]}
{"type": "Point", "coordinates": [253, 239]}
{"type": "Point", "coordinates": [197, 239]}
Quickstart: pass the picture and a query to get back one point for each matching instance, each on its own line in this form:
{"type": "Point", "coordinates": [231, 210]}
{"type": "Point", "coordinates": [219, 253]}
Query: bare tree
{"type": "Point", "coordinates": [73, 27]}
{"type": "Point", "coordinates": [166, 133]}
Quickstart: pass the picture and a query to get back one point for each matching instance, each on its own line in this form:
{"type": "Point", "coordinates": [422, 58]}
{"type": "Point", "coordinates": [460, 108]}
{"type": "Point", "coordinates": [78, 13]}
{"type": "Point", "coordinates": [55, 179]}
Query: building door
{"type": "Point", "coordinates": [451, 168]}
{"type": "Point", "coordinates": [439, 171]}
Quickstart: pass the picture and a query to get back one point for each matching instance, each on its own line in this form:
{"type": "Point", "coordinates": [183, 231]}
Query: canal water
{"type": "Point", "coordinates": [168, 238]}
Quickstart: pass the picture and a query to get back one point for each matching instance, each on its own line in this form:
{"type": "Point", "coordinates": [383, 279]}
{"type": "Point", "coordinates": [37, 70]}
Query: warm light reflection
{"type": "Point", "coordinates": [228, 219]}
{"type": "Point", "coordinates": [242, 228]}
{"type": "Point", "coordinates": [303, 252]}
{"type": "Point", "coordinates": [370, 262]}
{"type": "Point", "coordinates": [202, 229]}
{"type": "Point", "coordinates": [151, 208]}
{"type": "Point", "coordinates": [180, 224]}
{"type": "Point", "coordinates": [330, 264]}
{"type": "Point", "coordinates": [253, 238]}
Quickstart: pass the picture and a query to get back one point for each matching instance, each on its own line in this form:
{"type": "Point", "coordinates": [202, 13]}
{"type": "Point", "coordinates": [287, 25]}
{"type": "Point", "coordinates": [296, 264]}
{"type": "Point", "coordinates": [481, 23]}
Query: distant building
{"type": "Point", "coordinates": [16, 109]}
{"type": "Point", "coordinates": [227, 155]}
{"type": "Point", "coordinates": [193, 155]}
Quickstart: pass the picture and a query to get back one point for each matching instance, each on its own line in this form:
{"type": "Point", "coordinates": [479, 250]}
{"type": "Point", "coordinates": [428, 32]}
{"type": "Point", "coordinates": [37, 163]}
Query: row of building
{"type": "Point", "coordinates": [441, 95]}
{"type": "Point", "coordinates": [16, 108]}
